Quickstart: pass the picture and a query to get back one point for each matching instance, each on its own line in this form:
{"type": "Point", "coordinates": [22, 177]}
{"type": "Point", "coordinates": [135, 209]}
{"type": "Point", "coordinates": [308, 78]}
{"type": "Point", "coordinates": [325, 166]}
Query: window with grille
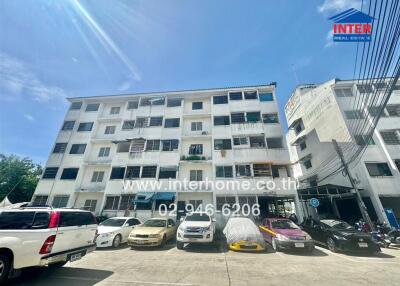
{"type": "Point", "coordinates": [128, 125]}
{"type": "Point", "coordinates": [354, 114]}
{"type": "Point", "coordinates": [60, 201]}
{"type": "Point", "coordinates": [174, 102]}
{"type": "Point", "coordinates": [343, 92]}
{"type": "Point", "coordinates": [221, 120]}
{"type": "Point", "coordinates": [374, 111]}
{"type": "Point", "coordinates": [363, 140]}
{"type": "Point", "coordinates": [257, 141]}
{"type": "Point", "coordinates": [133, 104]}
{"type": "Point", "coordinates": [224, 171]}
{"type": "Point", "coordinates": [152, 145]}
{"type": "Point", "coordinates": [60, 147]}
{"type": "Point", "coordinates": [196, 126]}
{"type": "Point", "coordinates": [126, 202]}
{"type": "Point", "coordinates": [132, 172]}
{"type": "Point", "coordinates": [237, 95]}
{"type": "Point", "coordinates": [156, 121]}
{"type": "Point", "coordinates": [170, 145]}
{"type": "Point", "coordinates": [228, 201]}
{"type": "Point", "coordinates": [110, 129]}
{"type": "Point", "coordinates": [250, 94]}
{"type": "Point", "coordinates": [97, 177]}
{"type": "Point", "coordinates": [366, 88]}
{"type": "Point", "coordinates": [240, 141]}
{"type": "Point", "coordinates": [39, 200]}
{"type": "Point", "coordinates": [247, 200]}
{"type": "Point", "coordinates": [391, 137]}
{"type": "Point", "coordinates": [196, 149]}
{"type": "Point", "coordinates": [171, 122]}
{"type": "Point", "coordinates": [115, 110]}
{"type": "Point", "coordinates": [77, 149]}
{"type": "Point", "coordinates": [243, 170]}
{"type": "Point", "coordinates": [92, 107]}
{"type": "Point", "coordinates": [274, 143]}
{"type": "Point", "coordinates": [112, 203]}
{"type": "Point", "coordinates": [196, 175]}
{"type": "Point", "coordinates": [85, 126]}
{"type": "Point", "coordinates": [50, 173]}
{"type": "Point", "coordinates": [104, 151]}
{"type": "Point", "coordinates": [68, 125]}
{"type": "Point", "coordinates": [117, 173]}
{"type": "Point", "coordinates": [220, 99]}
{"type": "Point", "coordinates": [262, 170]}
{"type": "Point", "coordinates": [393, 110]}
{"type": "Point", "coordinates": [269, 118]}
{"type": "Point", "coordinates": [222, 144]}
{"type": "Point", "coordinates": [378, 169]}
{"type": "Point", "coordinates": [69, 173]}
{"type": "Point", "coordinates": [149, 171]}
{"type": "Point", "coordinates": [167, 173]}
{"type": "Point", "coordinates": [142, 122]}
{"type": "Point", "coordinates": [75, 105]}
{"type": "Point", "coordinates": [90, 205]}
{"type": "Point", "coordinates": [238, 117]}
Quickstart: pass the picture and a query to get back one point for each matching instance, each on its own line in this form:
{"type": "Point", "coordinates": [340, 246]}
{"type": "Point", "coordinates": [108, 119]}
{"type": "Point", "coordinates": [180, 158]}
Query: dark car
{"type": "Point", "coordinates": [339, 236]}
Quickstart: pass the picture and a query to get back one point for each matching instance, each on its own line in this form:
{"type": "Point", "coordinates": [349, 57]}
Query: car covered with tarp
{"type": "Point", "coordinates": [242, 234]}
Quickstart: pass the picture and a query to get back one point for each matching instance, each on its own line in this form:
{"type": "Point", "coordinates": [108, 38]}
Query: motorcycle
{"type": "Point", "coordinates": [379, 235]}
{"type": "Point", "coordinates": [394, 236]}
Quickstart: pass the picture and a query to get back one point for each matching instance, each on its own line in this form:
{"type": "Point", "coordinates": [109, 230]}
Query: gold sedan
{"type": "Point", "coordinates": [154, 232]}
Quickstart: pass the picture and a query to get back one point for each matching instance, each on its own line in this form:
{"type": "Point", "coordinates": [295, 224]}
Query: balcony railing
{"type": "Point", "coordinates": [195, 158]}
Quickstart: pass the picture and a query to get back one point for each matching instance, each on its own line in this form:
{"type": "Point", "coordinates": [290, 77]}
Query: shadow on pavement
{"type": "Point", "coordinates": [61, 276]}
{"type": "Point", "coordinates": [122, 246]}
{"type": "Point", "coordinates": [315, 253]}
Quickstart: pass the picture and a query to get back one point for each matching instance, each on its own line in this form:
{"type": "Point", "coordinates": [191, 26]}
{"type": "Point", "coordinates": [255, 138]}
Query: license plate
{"type": "Point", "coordinates": [139, 242]}
{"type": "Point", "coordinates": [298, 244]}
{"type": "Point", "coordinates": [75, 257]}
{"type": "Point", "coordinates": [362, 244]}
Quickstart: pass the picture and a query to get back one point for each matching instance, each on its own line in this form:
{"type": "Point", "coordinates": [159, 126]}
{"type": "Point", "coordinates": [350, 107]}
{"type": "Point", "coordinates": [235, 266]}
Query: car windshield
{"type": "Point", "coordinates": [197, 217]}
{"type": "Point", "coordinates": [337, 224]}
{"type": "Point", "coordinates": [155, 223]}
{"type": "Point", "coordinates": [113, 222]}
{"type": "Point", "coordinates": [284, 224]}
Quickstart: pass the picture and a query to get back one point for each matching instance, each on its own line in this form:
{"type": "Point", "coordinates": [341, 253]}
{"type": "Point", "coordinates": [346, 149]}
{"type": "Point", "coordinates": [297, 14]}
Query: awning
{"type": "Point", "coordinates": [144, 198]}
{"type": "Point", "coordinates": [165, 196]}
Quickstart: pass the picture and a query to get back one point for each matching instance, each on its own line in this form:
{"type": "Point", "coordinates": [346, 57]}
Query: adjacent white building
{"type": "Point", "coordinates": [218, 134]}
{"type": "Point", "coordinates": [318, 113]}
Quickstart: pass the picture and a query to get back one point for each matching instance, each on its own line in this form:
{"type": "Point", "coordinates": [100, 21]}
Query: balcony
{"type": "Point", "coordinates": [247, 128]}
{"type": "Point", "coordinates": [195, 158]}
{"type": "Point", "coordinates": [97, 188]}
{"type": "Point", "coordinates": [196, 134]}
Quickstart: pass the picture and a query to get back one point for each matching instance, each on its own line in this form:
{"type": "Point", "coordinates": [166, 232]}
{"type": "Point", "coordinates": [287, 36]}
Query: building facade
{"type": "Point", "coordinates": [318, 113]}
{"type": "Point", "coordinates": [159, 143]}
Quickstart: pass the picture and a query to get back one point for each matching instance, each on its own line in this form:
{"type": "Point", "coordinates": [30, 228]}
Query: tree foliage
{"type": "Point", "coordinates": [20, 173]}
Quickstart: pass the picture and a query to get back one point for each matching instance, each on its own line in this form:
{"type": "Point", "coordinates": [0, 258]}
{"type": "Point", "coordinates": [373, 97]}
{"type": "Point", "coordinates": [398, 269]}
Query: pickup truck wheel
{"type": "Point", "coordinates": [116, 241]}
{"type": "Point", "coordinates": [179, 245]}
{"type": "Point", "coordinates": [4, 267]}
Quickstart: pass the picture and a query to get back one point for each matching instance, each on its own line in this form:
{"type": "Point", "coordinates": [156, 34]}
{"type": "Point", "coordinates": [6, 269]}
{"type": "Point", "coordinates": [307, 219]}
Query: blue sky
{"type": "Point", "coordinates": [53, 49]}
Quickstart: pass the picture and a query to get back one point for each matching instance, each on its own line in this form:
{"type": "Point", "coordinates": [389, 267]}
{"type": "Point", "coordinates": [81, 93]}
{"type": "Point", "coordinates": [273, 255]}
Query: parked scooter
{"type": "Point", "coordinates": [379, 235]}
{"type": "Point", "coordinates": [394, 236]}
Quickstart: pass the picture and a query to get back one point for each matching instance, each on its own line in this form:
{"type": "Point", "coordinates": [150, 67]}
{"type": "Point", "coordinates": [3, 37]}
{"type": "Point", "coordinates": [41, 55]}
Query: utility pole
{"type": "Point", "coordinates": [360, 202]}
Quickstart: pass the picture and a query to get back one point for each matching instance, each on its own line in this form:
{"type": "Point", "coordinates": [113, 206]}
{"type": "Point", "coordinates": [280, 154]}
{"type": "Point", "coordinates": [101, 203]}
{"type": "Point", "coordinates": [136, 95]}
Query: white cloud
{"type": "Point", "coordinates": [17, 79]}
{"type": "Point", "coordinates": [124, 86]}
{"type": "Point", "coordinates": [329, 40]}
{"type": "Point", "coordinates": [29, 117]}
{"type": "Point", "coordinates": [338, 5]}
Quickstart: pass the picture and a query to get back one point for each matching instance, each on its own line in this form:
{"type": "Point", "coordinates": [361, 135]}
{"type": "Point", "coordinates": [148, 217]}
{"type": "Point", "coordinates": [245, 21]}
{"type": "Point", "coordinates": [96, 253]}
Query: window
{"type": "Point", "coordinates": [60, 201]}
{"type": "Point", "coordinates": [69, 173]}
{"type": "Point", "coordinates": [378, 169]}
{"type": "Point", "coordinates": [343, 92]}
{"type": "Point", "coordinates": [77, 149]}
{"type": "Point", "coordinates": [366, 88]}
{"type": "Point", "coordinates": [156, 121]}
{"type": "Point", "coordinates": [250, 95]}
{"type": "Point", "coordinates": [262, 170]}
{"type": "Point", "coordinates": [224, 172]}
{"type": "Point", "coordinates": [221, 120]}
{"type": "Point", "coordinates": [266, 96]}
{"type": "Point", "coordinates": [274, 143]}
{"type": "Point", "coordinates": [90, 205]}
{"type": "Point", "coordinates": [123, 147]}
{"type": "Point", "coordinates": [50, 173]}
{"type": "Point", "coordinates": [40, 200]}
{"type": "Point", "coordinates": [393, 110]}
{"type": "Point", "coordinates": [115, 110]}
{"type": "Point", "coordinates": [227, 201]}
{"type": "Point", "coordinates": [235, 95]}
{"type": "Point", "coordinates": [247, 200]}
{"type": "Point", "coordinates": [132, 172]}
{"type": "Point", "coordinates": [171, 122]}
{"type": "Point", "coordinates": [298, 128]}
{"type": "Point", "coordinates": [257, 141]}
{"type": "Point", "coordinates": [110, 129]}
{"type": "Point", "coordinates": [354, 114]}
{"type": "Point", "coordinates": [153, 145]}
{"type": "Point", "coordinates": [390, 137]}
{"type": "Point", "coordinates": [85, 126]}
{"type": "Point", "coordinates": [220, 99]}
{"type": "Point", "coordinates": [60, 147]}
{"type": "Point", "coordinates": [275, 171]}
{"type": "Point", "coordinates": [92, 107]}
{"type": "Point", "coordinates": [104, 151]}
{"type": "Point", "coordinates": [152, 101]}
{"type": "Point", "coordinates": [174, 102]}
{"type": "Point", "coordinates": [112, 203]}
{"type": "Point", "coordinates": [127, 203]}
{"type": "Point", "coordinates": [117, 173]}
{"type": "Point", "coordinates": [240, 141]}
{"type": "Point", "coordinates": [195, 203]}
{"type": "Point", "coordinates": [142, 122]}
{"type": "Point", "coordinates": [128, 125]}
{"type": "Point", "coordinates": [243, 171]}
{"type": "Point", "coordinates": [374, 111]}
{"type": "Point", "coordinates": [76, 219]}
{"type": "Point", "coordinates": [196, 149]}
{"type": "Point", "coordinates": [363, 140]}
{"type": "Point", "coordinates": [253, 117]}
{"type": "Point", "coordinates": [196, 126]}
{"type": "Point", "coordinates": [380, 85]}
{"type": "Point", "coordinates": [307, 164]}
{"type": "Point", "coordinates": [149, 171]}
{"type": "Point", "coordinates": [75, 105]}
{"type": "Point", "coordinates": [223, 144]}
{"type": "Point", "coordinates": [170, 145]}
{"type": "Point", "coordinates": [197, 105]}
{"type": "Point", "coordinates": [238, 117]}
{"type": "Point", "coordinates": [303, 145]}
{"type": "Point", "coordinates": [196, 175]}
{"type": "Point", "coordinates": [68, 125]}
{"type": "Point", "coordinates": [270, 118]}
{"type": "Point", "coordinates": [97, 177]}
{"type": "Point", "coordinates": [133, 104]}
{"type": "Point", "coordinates": [167, 173]}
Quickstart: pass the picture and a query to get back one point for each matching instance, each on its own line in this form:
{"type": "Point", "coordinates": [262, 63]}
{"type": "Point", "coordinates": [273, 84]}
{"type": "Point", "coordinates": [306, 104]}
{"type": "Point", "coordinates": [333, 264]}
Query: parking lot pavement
{"type": "Point", "coordinates": [204, 265]}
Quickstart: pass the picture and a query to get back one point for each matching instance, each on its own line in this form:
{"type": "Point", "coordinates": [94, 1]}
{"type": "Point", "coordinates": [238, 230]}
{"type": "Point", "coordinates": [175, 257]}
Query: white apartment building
{"type": "Point", "coordinates": [318, 113]}
{"type": "Point", "coordinates": [215, 134]}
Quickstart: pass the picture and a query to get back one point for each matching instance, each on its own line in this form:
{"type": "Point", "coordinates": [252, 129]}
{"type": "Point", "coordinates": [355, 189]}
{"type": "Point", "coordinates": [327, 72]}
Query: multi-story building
{"type": "Point", "coordinates": [318, 113]}
{"type": "Point", "coordinates": [212, 135]}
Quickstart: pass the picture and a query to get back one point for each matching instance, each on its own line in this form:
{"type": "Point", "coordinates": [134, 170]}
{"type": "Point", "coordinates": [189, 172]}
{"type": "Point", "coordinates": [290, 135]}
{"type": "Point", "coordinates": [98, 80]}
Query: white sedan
{"type": "Point", "coordinates": [114, 231]}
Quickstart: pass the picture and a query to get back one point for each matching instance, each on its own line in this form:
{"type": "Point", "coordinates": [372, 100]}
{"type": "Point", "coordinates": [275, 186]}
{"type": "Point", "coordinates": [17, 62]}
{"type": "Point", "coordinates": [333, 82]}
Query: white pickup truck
{"type": "Point", "coordinates": [44, 237]}
{"type": "Point", "coordinates": [196, 227]}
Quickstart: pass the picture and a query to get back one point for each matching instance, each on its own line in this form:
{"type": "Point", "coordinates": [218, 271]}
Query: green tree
{"type": "Point", "coordinates": [19, 173]}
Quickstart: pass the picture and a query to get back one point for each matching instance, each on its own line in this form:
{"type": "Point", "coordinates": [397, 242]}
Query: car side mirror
{"type": "Point", "coordinates": [126, 224]}
{"type": "Point", "coordinates": [170, 225]}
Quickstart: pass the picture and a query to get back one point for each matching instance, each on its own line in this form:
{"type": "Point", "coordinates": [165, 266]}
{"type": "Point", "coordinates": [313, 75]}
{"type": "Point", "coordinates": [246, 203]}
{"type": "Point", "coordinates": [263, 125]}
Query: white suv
{"type": "Point", "coordinates": [197, 227]}
{"type": "Point", "coordinates": [35, 236]}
